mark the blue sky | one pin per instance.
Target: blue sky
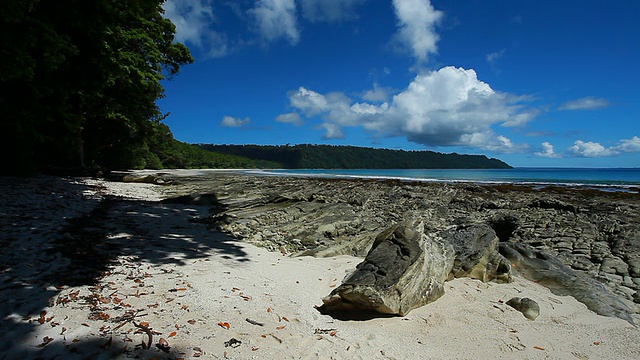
(531, 82)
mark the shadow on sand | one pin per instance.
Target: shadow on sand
(54, 234)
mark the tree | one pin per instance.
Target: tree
(84, 77)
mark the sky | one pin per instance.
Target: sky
(541, 83)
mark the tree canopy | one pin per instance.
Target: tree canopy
(80, 81)
(307, 156)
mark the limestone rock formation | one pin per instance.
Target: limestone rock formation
(408, 265)
(476, 254)
(404, 269)
(546, 269)
(593, 233)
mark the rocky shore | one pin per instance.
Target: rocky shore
(165, 265)
(594, 233)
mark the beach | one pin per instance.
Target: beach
(93, 268)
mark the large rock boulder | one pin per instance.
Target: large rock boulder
(407, 267)
(404, 269)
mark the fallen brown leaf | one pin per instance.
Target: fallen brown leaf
(191, 321)
(45, 341)
(224, 324)
(173, 333)
(281, 327)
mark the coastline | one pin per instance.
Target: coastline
(179, 276)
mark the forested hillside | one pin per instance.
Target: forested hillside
(352, 157)
(79, 82)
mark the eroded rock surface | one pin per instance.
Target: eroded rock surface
(408, 265)
(594, 233)
(405, 269)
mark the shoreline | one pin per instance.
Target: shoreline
(181, 277)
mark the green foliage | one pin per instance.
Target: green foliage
(352, 157)
(174, 154)
(83, 78)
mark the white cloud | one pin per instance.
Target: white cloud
(230, 121)
(329, 10)
(377, 94)
(448, 107)
(332, 131)
(416, 21)
(547, 151)
(628, 145)
(277, 19)
(586, 103)
(489, 141)
(192, 19)
(291, 118)
(491, 58)
(589, 149)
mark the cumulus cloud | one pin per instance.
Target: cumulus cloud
(276, 19)
(377, 94)
(193, 19)
(329, 10)
(448, 107)
(589, 149)
(332, 131)
(593, 149)
(628, 145)
(547, 151)
(230, 121)
(291, 118)
(417, 20)
(586, 103)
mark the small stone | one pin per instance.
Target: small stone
(528, 307)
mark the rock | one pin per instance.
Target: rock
(529, 308)
(476, 254)
(546, 269)
(614, 265)
(328, 217)
(404, 269)
(407, 267)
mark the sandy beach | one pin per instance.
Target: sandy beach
(103, 270)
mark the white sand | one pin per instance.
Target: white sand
(190, 279)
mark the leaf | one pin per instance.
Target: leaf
(42, 319)
(333, 333)
(285, 319)
(225, 325)
(191, 321)
(281, 327)
(538, 347)
(45, 342)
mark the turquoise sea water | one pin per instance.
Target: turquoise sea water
(617, 177)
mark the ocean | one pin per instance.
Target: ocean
(605, 177)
